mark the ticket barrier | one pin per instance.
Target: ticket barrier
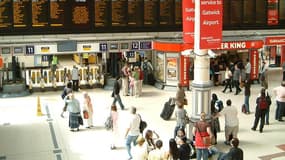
(44, 78)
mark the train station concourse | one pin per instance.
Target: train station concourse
(31, 127)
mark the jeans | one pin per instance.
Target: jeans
(202, 153)
(118, 98)
(130, 139)
(228, 85)
(246, 102)
(279, 110)
(267, 116)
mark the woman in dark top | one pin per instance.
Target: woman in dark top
(246, 95)
(215, 123)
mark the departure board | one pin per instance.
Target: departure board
(135, 13)
(57, 13)
(80, 14)
(119, 13)
(5, 14)
(166, 12)
(21, 10)
(150, 12)
(101, 13)
(40, 13)
(178, 12)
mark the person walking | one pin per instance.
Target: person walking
(67, 90)
(88, 107)
(73, 107)
(125, 79)
(247, 86)
(173, 152)
(235, 153)
(180, 96)
(139, 151)
(215, 122)
(261, 107)
(75, 78)
(263, 75)
(116, 93)
(280, 100)
(158, 152)
(202, 130)
(231, 121)
(237, 79)
(115, 128)
(228, 77)
(132, 131)
(181, 115)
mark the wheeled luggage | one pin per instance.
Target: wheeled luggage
(168, 109)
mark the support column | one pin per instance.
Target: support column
(201, 86)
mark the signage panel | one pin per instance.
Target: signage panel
(241, 45)
(278, 40)
(135, 45)
(254, 59)
(146, 45)
(188, 16)
(211, 23)
(88, 47)
(30, 50)
(46, 49)
(103, 47)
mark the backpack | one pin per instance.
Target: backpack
(219, 105)
(145, 66)
(262, 103)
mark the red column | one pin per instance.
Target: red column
(254, 59)
(184, 70)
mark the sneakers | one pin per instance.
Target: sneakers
(253, 129)
(113, 147)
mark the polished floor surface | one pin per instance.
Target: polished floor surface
(26, 136)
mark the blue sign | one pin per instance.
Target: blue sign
(30, 50)
(103, 47)
(135, 45)
(145, 45)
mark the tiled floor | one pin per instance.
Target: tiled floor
(26, 136)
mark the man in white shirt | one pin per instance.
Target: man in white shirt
(133, 130)
(280, 98)
(231, 121)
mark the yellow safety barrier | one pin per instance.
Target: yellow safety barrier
(39, 108)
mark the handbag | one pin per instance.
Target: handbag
(80, 120)
(85, 114)
(109, 123)
(143, 125)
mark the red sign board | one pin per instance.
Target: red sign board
(188, 15)
(211, 23)
(184, 70)
(279, 40)
(254, 59)
(241, 45)
(272, 12)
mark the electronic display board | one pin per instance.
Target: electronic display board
(119, 13)
(40, 13)
(151, 12)
(101, 13)
(57, 13)
(5, 15)
(135, 13)
(21, 15)
(80, 14)
(178, 12)
(166, 12)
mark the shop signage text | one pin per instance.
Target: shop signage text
(275, 40)
(242, 45)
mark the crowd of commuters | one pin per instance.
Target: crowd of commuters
(147, 145)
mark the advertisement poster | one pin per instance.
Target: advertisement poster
(172, 73)
(254, 59)
(211, 23)
(188, 16)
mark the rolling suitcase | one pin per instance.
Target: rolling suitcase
(168, 109)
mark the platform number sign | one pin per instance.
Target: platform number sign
(30, 50)
(103, 47)
(135, 45)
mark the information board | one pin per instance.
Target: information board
(57, 13)
(5, 14)
(119, 12)
(80, 15)
(135, 13)
(166, 13)
(21, 10)
(40, 13)
(150, 12)
(101, 13)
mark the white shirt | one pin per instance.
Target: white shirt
(139, 152)
(156, 154)
(230, 113)
(280, 93)
(134, 125)
(248, 68)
